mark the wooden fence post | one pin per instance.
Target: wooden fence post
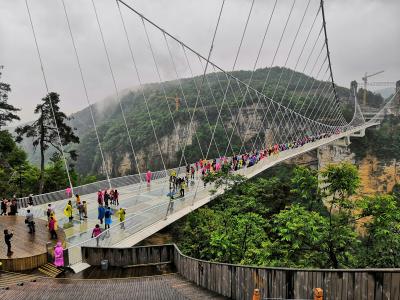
(318, 294)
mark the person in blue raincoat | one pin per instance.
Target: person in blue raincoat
(108, 213)
(101, 213)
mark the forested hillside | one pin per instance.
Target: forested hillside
(114, 138)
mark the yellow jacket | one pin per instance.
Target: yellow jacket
(68, 211)
(121, 215)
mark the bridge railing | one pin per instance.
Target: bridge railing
(90, 188)
(239, 281)
(134, 224)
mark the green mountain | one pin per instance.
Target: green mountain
(173, 134)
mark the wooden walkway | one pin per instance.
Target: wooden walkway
(162, 287)
(29, 249)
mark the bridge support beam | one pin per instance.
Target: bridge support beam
(360, 133)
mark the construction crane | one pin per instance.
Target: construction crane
(177, 102)
(365, 79)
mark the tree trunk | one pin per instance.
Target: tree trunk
(41, 177)
(41, 143)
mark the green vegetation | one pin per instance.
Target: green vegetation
(19, 177)
(270, 221)
(373, 100)
(382, 142)
(7, 111)
(50, 129)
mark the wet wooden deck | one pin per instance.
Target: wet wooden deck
(162, 287)
(29, 249)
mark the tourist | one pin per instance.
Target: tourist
(192, 170)
(80, 211)
(116, 197)
(59, 255)
(68, 211)
(7, 240)
(107, 218)
(14, 207)
(96, 233)
(52, 228)
(183, 187)
(100, 197)
(78, 200)
(172, 178)
(121, 217)
(49, 211)
(8, 208)
(68, 192)
(101, 213)
(148, 177)
(29, 221)
(85, 209)
(4, 207)
(106, 197)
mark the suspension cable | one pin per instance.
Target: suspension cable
(164, 92)
(116, 89)
(86, 92)
(327, 50)
(48, 93)
(233, 68)
(297, 63)
(287, 59)
(273, 61)
(194, 51)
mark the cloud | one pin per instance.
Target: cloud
(364, 36)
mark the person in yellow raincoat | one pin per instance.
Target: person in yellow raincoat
(121, 217)
(68, 211)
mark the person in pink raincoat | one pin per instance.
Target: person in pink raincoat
(59, 255)
(68, 192)
(148, 177)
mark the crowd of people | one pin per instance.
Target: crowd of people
(9, 207)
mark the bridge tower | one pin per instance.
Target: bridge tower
(353, 86)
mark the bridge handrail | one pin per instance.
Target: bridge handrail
(93, 187)
(113, 235)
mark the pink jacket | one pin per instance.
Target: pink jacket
(52, 224)
(96, 232)
(148, 176)
(59, 255)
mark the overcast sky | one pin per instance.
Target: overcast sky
(364, 36)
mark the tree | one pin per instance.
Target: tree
(237, 238)
(7, 111)
(305, 187)
(381, 243)
(44, 132)
(297, 238)
(13, 165)
(340, 182)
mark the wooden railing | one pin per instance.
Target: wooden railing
(239, 282)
